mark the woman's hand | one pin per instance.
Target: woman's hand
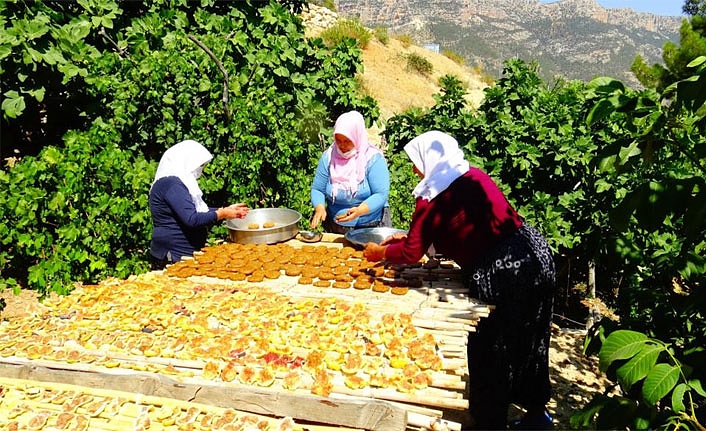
(240, 209)
(374, 252)
(395, 237)
(353, 213)
(232, 211)
(318, 217)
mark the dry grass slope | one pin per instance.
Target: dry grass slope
(387, 78)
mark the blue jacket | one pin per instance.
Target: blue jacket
(373, 190)
(177, 227)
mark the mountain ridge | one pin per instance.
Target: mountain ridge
(573, 39)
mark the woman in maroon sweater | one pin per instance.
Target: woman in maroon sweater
(461, 211)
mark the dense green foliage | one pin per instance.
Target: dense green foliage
(95, 91)
(45, 53)
(238, 77)
(613, 177)
(694, 7)
(661, 145)
(676, 58)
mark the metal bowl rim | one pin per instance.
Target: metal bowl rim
(387, 231)
(230, 226)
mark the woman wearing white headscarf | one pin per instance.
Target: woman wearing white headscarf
(180, 217)
(352, 183)
(462, 212)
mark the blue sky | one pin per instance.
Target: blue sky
(658, 7)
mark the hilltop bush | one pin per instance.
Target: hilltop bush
(405, 39)
(381, 35)
(419, 64)
(347, 28)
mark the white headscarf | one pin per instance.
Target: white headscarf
(185, 160)
(438, 156)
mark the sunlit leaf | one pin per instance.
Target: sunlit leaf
(13, 105)
(659, 382)
(639, 365)
(678, 397)
(621, 344)
(697, 386)
(697, 61)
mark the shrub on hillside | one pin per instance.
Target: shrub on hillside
(405, 39)
(453, 56)
(419, 64)
(347, 28)
(380, 34)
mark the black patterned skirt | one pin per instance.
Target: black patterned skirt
(508, 355)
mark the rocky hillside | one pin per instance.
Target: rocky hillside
(386, 77)
(576, 39)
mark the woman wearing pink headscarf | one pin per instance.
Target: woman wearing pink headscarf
(352, 183)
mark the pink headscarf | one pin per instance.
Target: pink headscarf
(347, 174)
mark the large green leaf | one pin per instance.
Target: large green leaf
(601, 110)
(621, 344)
(659, 382)
(698, 61)
(678, 397)
(605, 85)
(13, 104)
(698, 387)
(630, 151)
(639, 365)
(692, 92)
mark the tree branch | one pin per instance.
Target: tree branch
(222, 69)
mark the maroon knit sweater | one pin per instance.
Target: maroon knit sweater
(464, 222)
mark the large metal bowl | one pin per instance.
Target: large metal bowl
(285, 228)
(360, 237)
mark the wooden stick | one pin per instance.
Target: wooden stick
(436, 424)
(435, 324)
(420, 409)
(451, 403)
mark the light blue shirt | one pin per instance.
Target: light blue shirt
(373, 190)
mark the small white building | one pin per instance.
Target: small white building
(432, 47)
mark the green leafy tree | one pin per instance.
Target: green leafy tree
(692, 44)
(45, 51)
(663, 214)
(694, 7)
(237, 76)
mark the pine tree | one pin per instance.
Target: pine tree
(692, 44)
